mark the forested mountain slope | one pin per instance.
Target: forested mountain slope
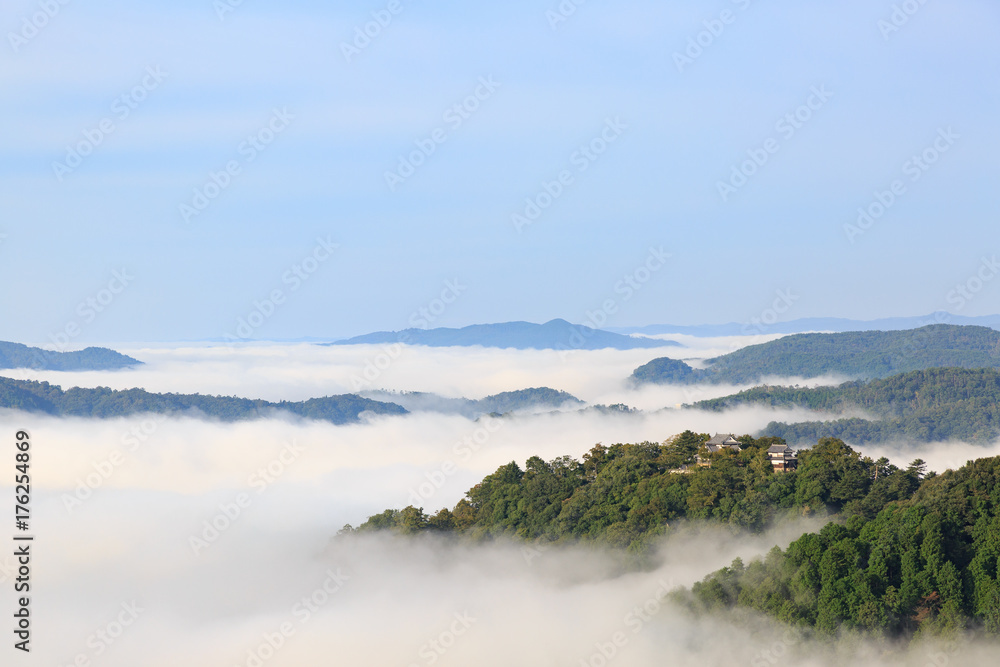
(536, 398)
(905, 552)
(857, 354)
(16, 355)
(931, 405)
(103, 402)
(924, 564)
(552, 335)
(625, 494)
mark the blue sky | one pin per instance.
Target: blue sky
(345, 122)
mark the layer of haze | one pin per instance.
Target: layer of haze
(301, 371)
(130, 540)
(118, 528)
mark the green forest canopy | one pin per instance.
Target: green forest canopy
(16, 355)
(932, 405)
(625, 494)
(924, 564)
(855, 354)
(103, 402)
(906, 552)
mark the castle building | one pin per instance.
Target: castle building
(782, 458)
(717, 443)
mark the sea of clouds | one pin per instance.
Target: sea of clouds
(185, 541)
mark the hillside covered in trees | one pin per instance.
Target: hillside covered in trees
(905, 551)
(924, 564)
(625, 494)
(16, 355)
(856, 354)
(931, 405)
(553, 335)
(103, 402)
(536, 398)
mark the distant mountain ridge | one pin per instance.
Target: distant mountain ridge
(102, 402)
(553, 335)
(508, 401)
(933, 405)
(811, 324)
(16, 355)
(859, 354)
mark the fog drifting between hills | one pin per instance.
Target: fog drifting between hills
(112, 531)
(300, 371)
